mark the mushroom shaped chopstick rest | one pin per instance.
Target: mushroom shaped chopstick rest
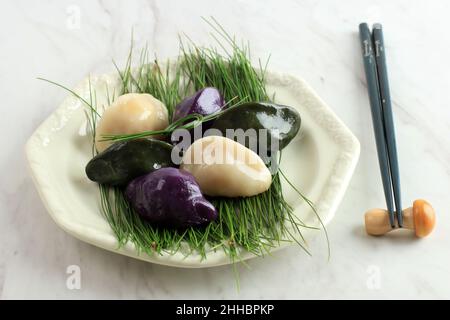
(420, 217)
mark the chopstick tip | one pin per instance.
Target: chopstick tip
(377, 26)
(363, 25)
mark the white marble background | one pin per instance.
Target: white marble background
(315, 40)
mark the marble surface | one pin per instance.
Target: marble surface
(66, 40)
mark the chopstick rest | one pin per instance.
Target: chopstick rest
(420, 217)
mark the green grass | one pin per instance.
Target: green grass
(254, 224)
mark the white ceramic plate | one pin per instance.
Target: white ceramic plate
(320, 161)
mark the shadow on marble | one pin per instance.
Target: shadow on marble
(402, 236)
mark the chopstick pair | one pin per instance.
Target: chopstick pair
(374, 58)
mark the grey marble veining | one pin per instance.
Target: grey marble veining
(318, 41)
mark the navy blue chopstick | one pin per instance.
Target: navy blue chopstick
(376, 107)
(380, 58)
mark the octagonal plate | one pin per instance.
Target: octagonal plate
(320, 161)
